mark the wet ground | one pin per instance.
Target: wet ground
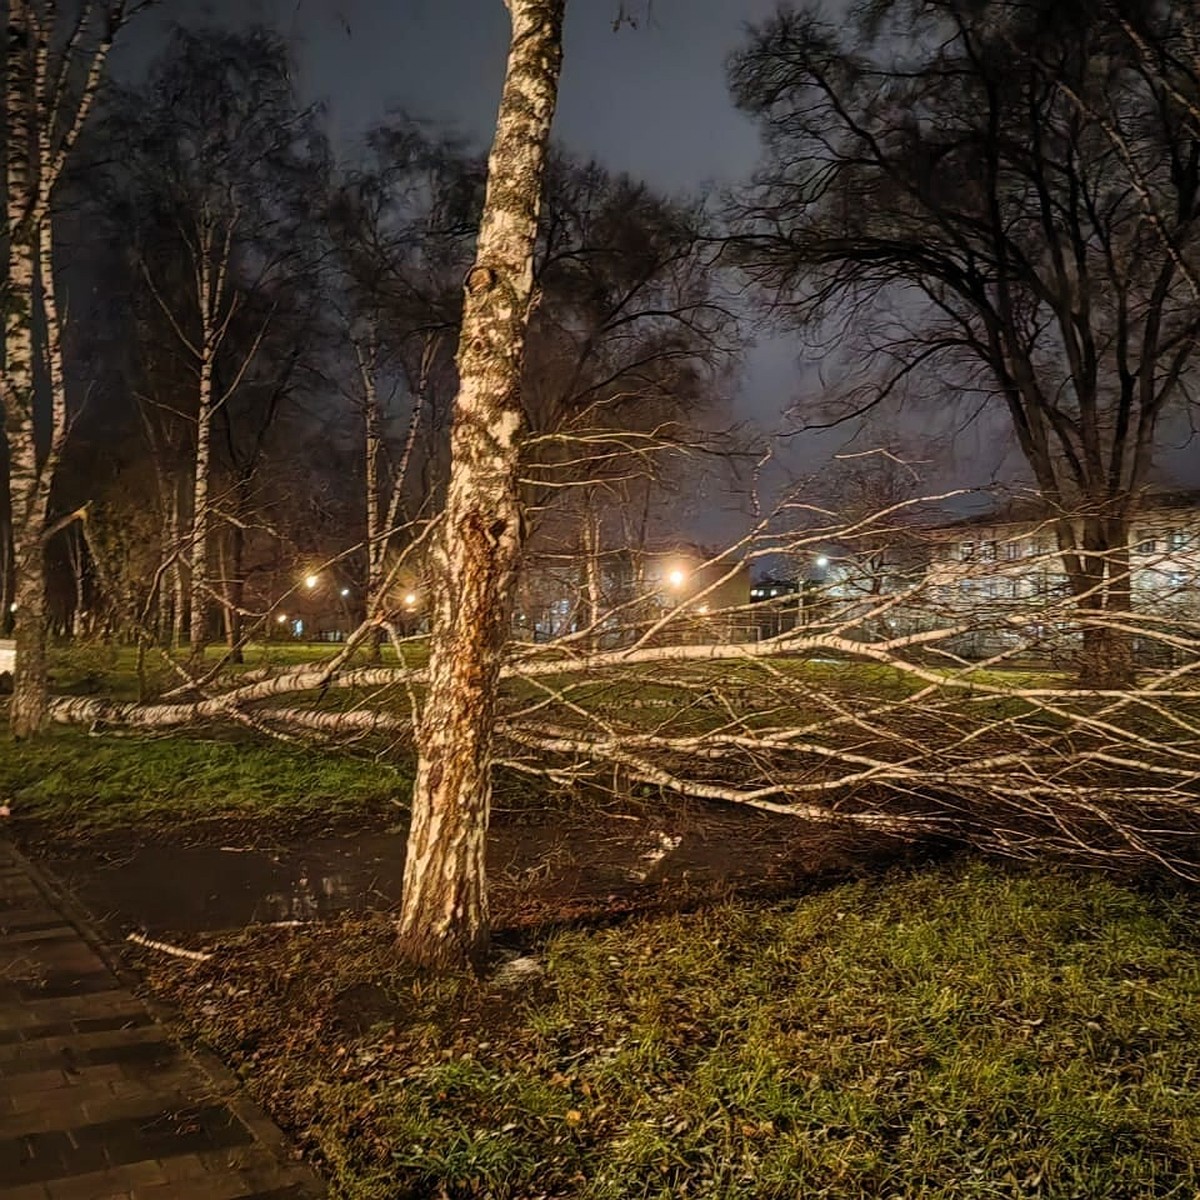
(560, 864)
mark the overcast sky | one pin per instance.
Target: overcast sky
(651, 101)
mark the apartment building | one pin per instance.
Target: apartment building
(1012, 557)
(998, 565)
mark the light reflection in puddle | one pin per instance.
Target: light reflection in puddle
(164, 889)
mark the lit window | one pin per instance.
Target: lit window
(988, 552)
(1147, 545)
(967, 551)
(1176, 540)
(1012, 550)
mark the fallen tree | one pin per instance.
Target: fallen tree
(866, 713)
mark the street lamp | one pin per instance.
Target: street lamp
(676, 578)
(410, 600)
(822, 562)
(281, 619)
(344, 593)
(311, 581)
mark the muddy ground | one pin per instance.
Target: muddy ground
(546, 868)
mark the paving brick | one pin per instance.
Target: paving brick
(147, 1052)
(228, 1187)
(32, 1191)
(35, 1112)
(42, 1010)
(41, 1081)
(36, 937)
(76, 1036)
(292, 1191)
(83, 1025)
(250, 1159)
(69, 1107)
(99, 1101)
(56, 984)
(95, 1185)
(29, 917)
(182, 1167)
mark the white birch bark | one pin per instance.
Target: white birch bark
(198, 545)
(443, 920)
(28, 705)
(593, 582)
(45, 107)
(373, 450)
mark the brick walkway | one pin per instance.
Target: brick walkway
(96, 1100)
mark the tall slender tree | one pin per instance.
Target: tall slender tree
(219, 165)
(443, 918)
(54, 66)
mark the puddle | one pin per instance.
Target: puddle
(195, 889)
(162, 889)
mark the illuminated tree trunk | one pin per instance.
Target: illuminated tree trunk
(28, 706)
(374, 447)
(45, 107)
(593, 582)
(178, 626)
(1099, 574)
(443, 920)
(201, 518)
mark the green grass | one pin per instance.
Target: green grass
(967, 1032)
(97, 668)
(80, 784)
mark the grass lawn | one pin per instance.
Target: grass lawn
(79, 784)
(965, 1031)
(95, 668)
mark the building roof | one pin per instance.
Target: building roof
(1025, 510)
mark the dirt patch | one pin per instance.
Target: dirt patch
(546, 869)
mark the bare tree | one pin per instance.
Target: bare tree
(625, 362)
(54, 65)
(933, 165)
(215, 181)
(403, 231)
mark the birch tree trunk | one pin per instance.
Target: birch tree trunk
(443, 919)
(46, 104)
(376, 546)
(178, 622)
(28, 706)
(198, 553)
(593, 578)
(198, 545)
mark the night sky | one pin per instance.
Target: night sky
(651, 101)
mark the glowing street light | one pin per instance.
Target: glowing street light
(822, 562)
(344, 593)
(676, 578)
(281, 619)
(311, 581)
(410, 600)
